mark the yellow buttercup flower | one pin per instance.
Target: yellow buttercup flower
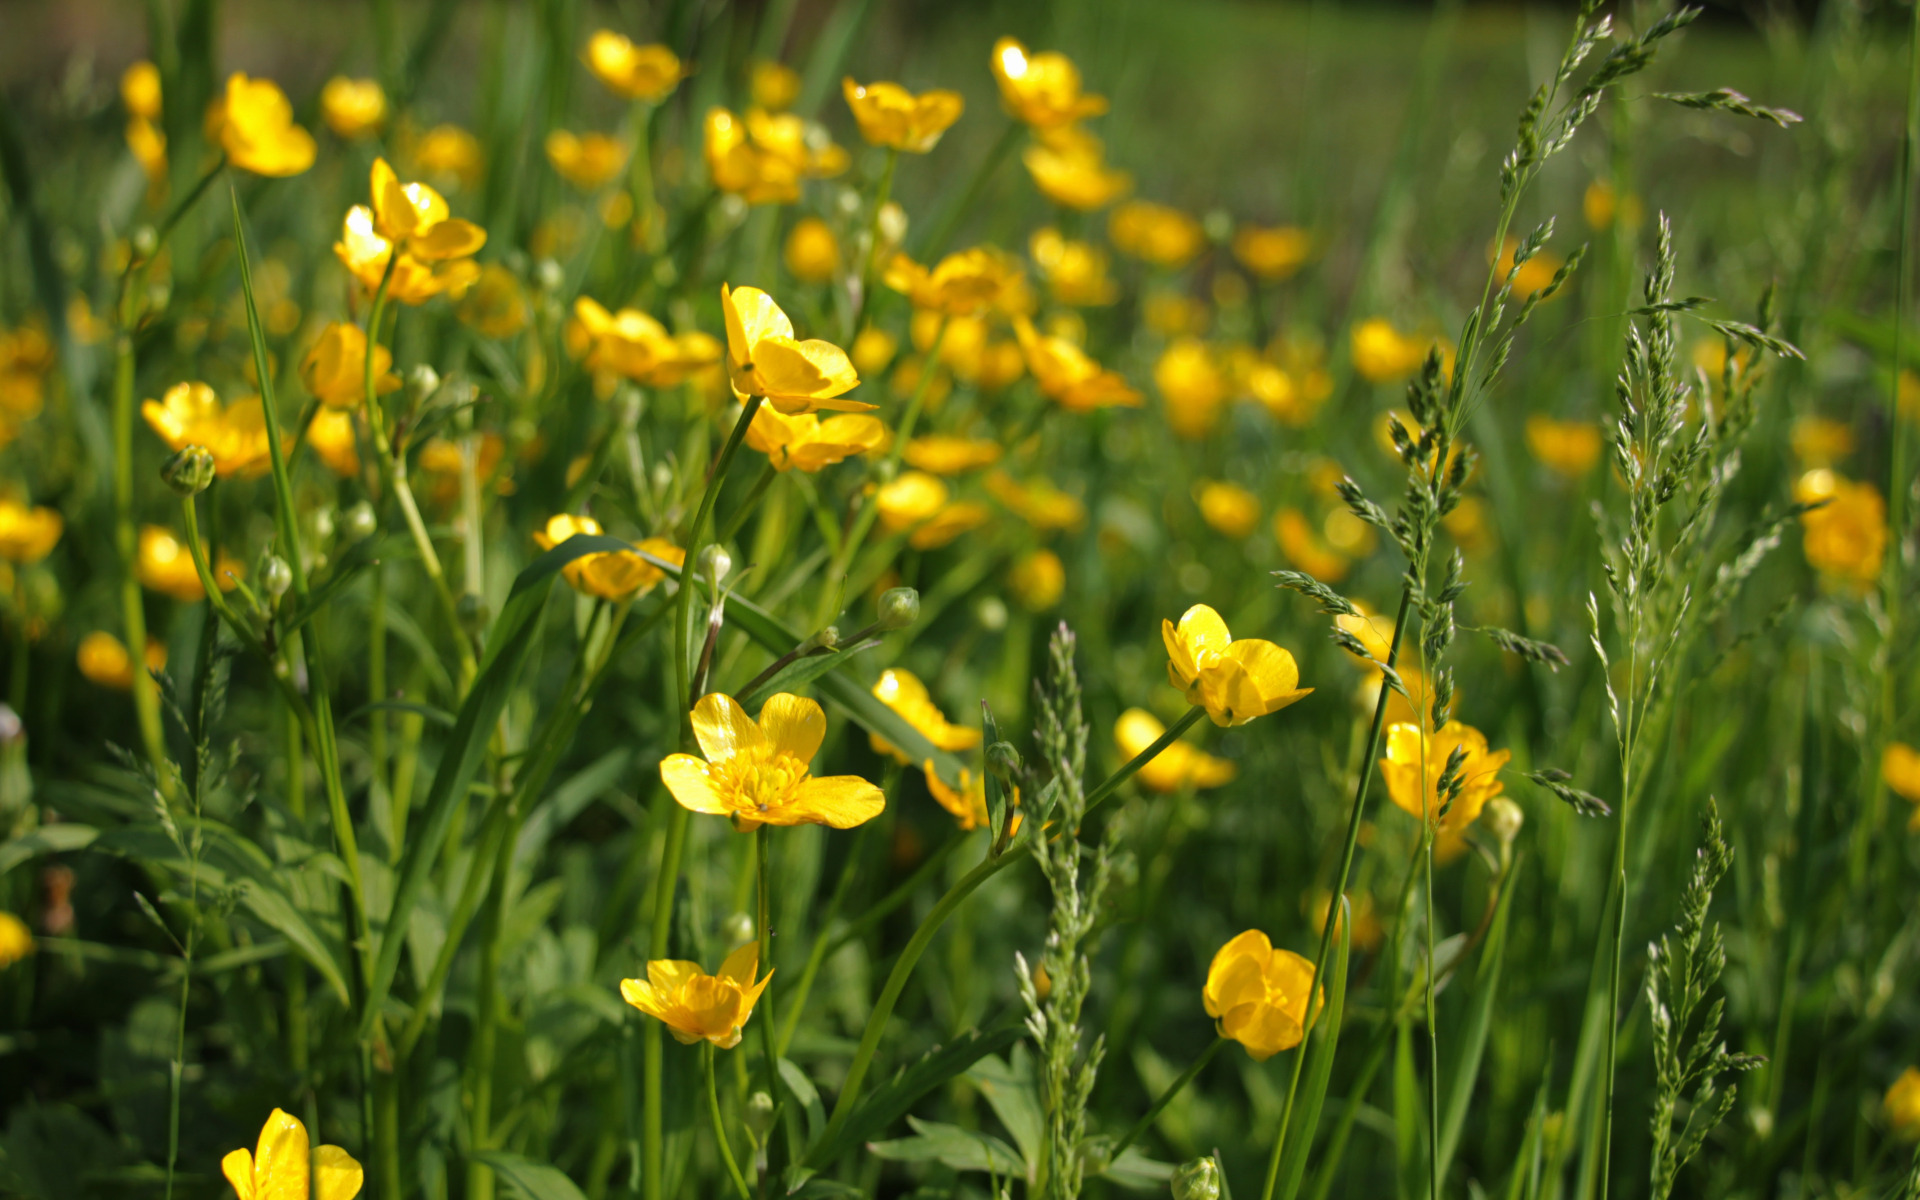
(616, 575)
(765, 359)
(496, 305)
(1042, 90)
(638, 72)
(353, 108)
(331, 434)
(1382, 354)
(1821, 441)
(1846, 539)
(281, 1167)
(253, 123)
(1534, 274)
(805, 441)
(103, 659)
(903, 692)
(140, 90)
(1376, 634)
(910, 499)
(1258, 995)
(1367, 930)
(1237, 681)
(1302, 547)
(1901, 1105)
(1601, 204)
(149, 147)
(190, 414)
(633, 344)
(1037, 580)
(165, 565)
(16, 940)
(1180, 765)
(1165, 237)
(412, 219)
(696, 1006)
(873, 349)
(773, 86)
(1272, 252)
(1193, 386)
(451, 152)
(948, 524)
(763, 157)
(1075, 271)
(950, 454)
(968, 802)
(1038, 502)
(1412, 768)
(1569, 448)
(960, 284)
(812, 252)
(1900, 770)
(335, 370)
(586, 160)
(1069, 166)
(889, 115)
(1229, 508)
(28, 534)
(1068, 375)
(757, 774)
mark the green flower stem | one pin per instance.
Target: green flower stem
(146, 693)
(818, 955)
(1340, 884)
(879, 912)
(1104, 792)
(989, 166)
(767, 475)
(1174, 1089)
(642, 176)
(719, 1127)
(690, 577)
(870, 259)
(763, 925)
(653, 1113)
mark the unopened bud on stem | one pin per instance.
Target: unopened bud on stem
(189, 471)
(899, 608)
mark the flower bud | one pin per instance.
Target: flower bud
(11, 728)
(1197, 1180)
(737, 930)
(189, 471)
(1003, 760)
(899, 608)
(1504, 818)
(759, 1114)
(146, 243)
(359, 522)
(276, 576)
(893, 224)
(549, 275)
(715, 562)
(826, 639)
(423, 380)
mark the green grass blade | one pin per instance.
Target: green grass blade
(1320, 1048)
(1473, 1043)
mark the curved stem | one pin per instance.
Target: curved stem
(763, 918)
(689, 580)
(146, 694)
(719, 1127)
(871, 258)
(1167, 1097)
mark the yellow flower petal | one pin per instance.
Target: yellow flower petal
(723, 728)
(691, 783)
(841, 801)
(794, 725)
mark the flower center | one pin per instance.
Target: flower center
(762, 778)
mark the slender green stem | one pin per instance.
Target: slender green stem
(146, 693)
(651, 233)
(1131, 767)
(1167, 1097)
(818, 955)
(763, 926)
(719, 1127)
(689, 582)
(870, 259)
(950, 223)
(1433, 1014)
(879, 912)
(653, 1112)
(767, 475)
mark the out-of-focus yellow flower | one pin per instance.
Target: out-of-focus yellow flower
(1821, 441)
(1068, 376)
(764, 156)
(103, 659)
(353, 108)
(1038, 580)
(586, 160)
(1415, 761)
(903, 692)
(1237, 681)
(1042, 90)
(1075, 271)
(254, 124)
(140, 90)
(443, 462)
(960, 284)
(1376, 634)
(149, 147)
(496, 305)
(1192, 385)
(617, 575)
(947, 523)
(16, 940)
(335, 370)
(1229, 508)
(1569, 448)
(331, 434)
(1382, 354)
(1468, 525)
(165, 565)
(1037, 502)
(190, 414)
(773, 86)
(1258, 995)
(873, 349)
(1901, 1105)
(632, 344)
(412, 219)
(1069, 166)
(448, 150)
(812, 252)
(890, 115)
(908, 499)
(809, 443)
(281, 1167)
(1367, 930)
(637, 72)
(1303, 548)
(1173, 314)
(1847, 537)
(1272, 252)
(1535, 274)
(1900, 770)
(1601, 204)
(696, 1006)
(1155, 233)
(28, 534)
(1180, 765)
(1907, 395)
(949, 454)
(968, 802)
(757, 774)
(764, 358)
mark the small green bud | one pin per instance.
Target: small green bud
(1003, 760)
(145, 243)
(549, 275)
(759, 1114)
(715, 562)
(423, 380)
(899, 608)
(276, 576)
(737, 930)
(189, 471)
(826, 639)
(1197, 1180)
(1504, 818)
(359, 522)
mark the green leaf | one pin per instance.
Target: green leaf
(802, 671)
(535, 1181)
(1135, 1170)
(509, 643)
(48, 839)
(1322, 1045)
(362, 554)
(808, 1096)
(961, 1149)
(1473, 1043)
(887, 1104)
(1008, 1088)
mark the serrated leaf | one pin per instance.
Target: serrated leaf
(1009, 1089)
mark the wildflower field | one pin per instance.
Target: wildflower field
(832, 598)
